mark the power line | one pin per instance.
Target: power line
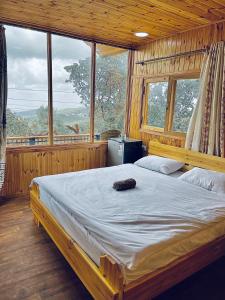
(14, 105)
(28, 100)
(41, 101)
(36, 90)
(19, 105)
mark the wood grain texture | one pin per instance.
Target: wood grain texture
(25, 163)
(186, 41)
(50, 90)
(153, 284)
(106, 281)
(113, 21)
(192, 158)
(32, 268)
(84, 267)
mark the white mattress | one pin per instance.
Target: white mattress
(143, 229)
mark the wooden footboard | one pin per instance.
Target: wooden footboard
(106, 282)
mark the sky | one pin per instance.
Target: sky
(27, 69)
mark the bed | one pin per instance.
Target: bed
(122, 248)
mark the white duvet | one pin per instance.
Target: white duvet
(142, 229)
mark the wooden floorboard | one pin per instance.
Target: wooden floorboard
(31, 267)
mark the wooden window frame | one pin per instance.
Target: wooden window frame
(171, 99)
(145, 104)
(50, 92)
(50, 138)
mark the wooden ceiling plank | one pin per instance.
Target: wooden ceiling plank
(116, 42)
(212, 11)
(181, 12)
(178, 13)
(84, 19)
(167, 25)
(143, 11)
(220, 2)
(99, 27)
(187, 8)
(102, 28)
(113, 21)
(111, 14)
(120, 26)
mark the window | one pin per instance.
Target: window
(110, 95)
(185, 101)
(169, 103)
(27, 108)
(71, 65)
(157, 102)
(50, 82)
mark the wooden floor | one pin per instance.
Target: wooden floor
(31, 267)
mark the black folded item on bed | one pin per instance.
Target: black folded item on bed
(126, 184)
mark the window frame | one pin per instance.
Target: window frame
(146, 96)
(50, 92)
(171, 100)
(93, 45)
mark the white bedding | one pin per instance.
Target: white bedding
(142, 229)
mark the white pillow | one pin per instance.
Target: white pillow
(159, 164)
(210, 180)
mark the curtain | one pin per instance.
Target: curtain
(206, 132)
(3, 103)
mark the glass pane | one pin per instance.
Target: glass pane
(71, 65)
(157, 102)
(110, 99)
(27, 109)
(185, 101)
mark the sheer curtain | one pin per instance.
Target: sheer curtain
(3, 103)
(206, 130)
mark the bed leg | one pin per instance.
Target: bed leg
(112, 272)
(36, 221)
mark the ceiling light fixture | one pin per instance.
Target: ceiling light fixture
(141, 34)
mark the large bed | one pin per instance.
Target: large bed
(137, 242)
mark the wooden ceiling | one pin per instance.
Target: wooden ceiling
(113, 21)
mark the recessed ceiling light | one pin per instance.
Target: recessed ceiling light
(141, 34)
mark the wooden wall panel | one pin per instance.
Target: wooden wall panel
(186, 41)
(23, 164)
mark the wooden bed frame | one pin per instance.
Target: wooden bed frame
(106, 281)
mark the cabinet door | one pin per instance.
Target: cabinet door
(132, 152)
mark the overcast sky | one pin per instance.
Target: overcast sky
(27, 68)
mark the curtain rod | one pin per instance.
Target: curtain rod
(142, 62)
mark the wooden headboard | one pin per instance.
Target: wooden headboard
(189, 157)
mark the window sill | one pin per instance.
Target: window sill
(152, 128)
(41, 148)
(169, 134)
